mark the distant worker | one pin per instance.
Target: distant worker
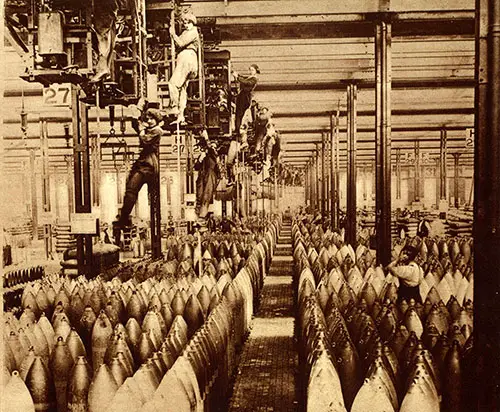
(424, 228)
(245, 96)
(186, 67)
(105, 16)
(226, 225)
(117, 231)
(409, 273)
(146, 167)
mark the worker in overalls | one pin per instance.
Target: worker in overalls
(186, 67)
(245, 96)
(147, 166)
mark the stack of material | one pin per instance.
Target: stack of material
(103, 257)
(64, 238)
(459, 223)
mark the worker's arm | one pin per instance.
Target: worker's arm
(409, 273)
(247, 81)
(150, 136)
(185, 39)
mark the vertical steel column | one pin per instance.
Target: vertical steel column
(442, 164)
(317, 178)
(82, 177)
(249, 190)
(456, 177)
(178, 144)
(383, 140)
(34, 199)
(323, 175)
(333, 208)
(69, 183)
(335, 165)
(328, 183)
(190, 189)
(311, 185)
(276, 191)
(398, 173)
(417, 172)
(352, 90)
(485, 374)
(306, 183)
(44, 144)
(374, 180)
(364, 175)
(237, 203)
(155, 214)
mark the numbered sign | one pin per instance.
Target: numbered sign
(57, 95)
(469, 138)
(175, 148)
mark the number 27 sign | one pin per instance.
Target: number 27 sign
(57, 94)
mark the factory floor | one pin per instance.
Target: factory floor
(268, 372)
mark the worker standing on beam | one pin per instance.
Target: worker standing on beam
(186, 65)
(245, 96)
(105, 16)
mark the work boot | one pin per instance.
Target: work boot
(102, 70)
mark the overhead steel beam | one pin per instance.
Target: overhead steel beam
(252, 20)
(412, 83)
(371, 113)
(416, 83)
(395, 129)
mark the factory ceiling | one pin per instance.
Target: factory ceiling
(307, 52)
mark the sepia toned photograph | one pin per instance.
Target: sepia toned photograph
(250, 206)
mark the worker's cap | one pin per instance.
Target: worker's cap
(256, 68)
(411, 251)
(189, 17)
(155, 114)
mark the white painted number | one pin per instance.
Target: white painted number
(57, 95)
(469, 138)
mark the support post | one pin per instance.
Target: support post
(417, 172)
(276, 192)
(155, 214)
(456, 178)
(44, 144)
(323, 175)
(352, 90)
(485, 365)
(383, 70)
(309, 180)
(178, 142)
(333, 209)
(34, 200)
(317, 182)
(69, 182)
(398, 173)
(443, 205)
(81, 161)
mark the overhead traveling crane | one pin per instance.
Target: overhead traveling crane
(60, 44)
